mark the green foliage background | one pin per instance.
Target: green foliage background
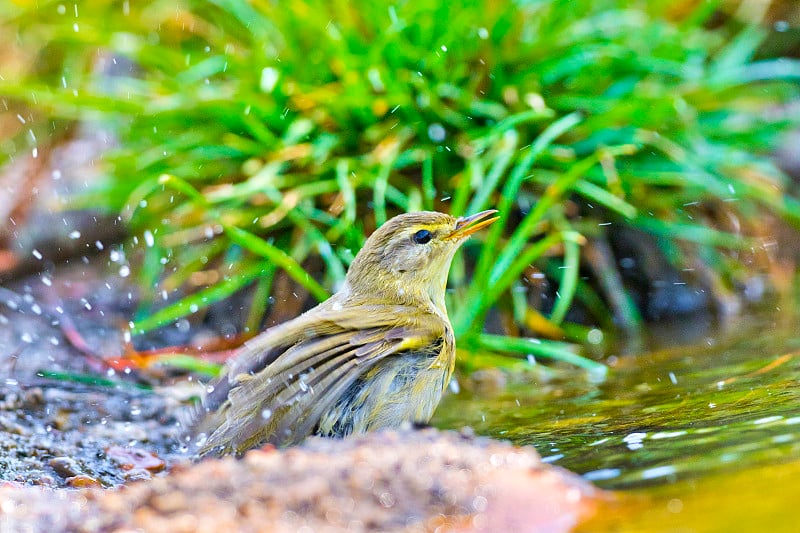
(256, 135)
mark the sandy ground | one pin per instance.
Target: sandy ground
(423, 480)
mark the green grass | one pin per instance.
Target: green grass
(257, 136)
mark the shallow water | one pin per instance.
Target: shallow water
(703, 437)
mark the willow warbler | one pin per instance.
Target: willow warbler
(376, 354)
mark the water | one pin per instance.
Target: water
(702, 437)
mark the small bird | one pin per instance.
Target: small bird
(377, 354)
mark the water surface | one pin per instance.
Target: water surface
(701, 437)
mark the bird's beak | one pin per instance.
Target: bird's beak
(466, 226)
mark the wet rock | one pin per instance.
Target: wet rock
(136, 458)
(65, 466)
(83, 482)
(123, 431)
(136, 474)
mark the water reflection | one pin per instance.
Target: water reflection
(728, 402)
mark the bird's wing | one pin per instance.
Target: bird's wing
(284, 380)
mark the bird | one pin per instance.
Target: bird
(378, 353)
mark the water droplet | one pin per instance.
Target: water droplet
(387, 499)
(781, 26)
(634, 440)
(266, 414)
(436, 132)
(603, 473)
(659, 471)
(595, 336)
(269, 78)
(124, 271)
(768, 419)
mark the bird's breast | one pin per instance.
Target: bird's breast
(404, 388)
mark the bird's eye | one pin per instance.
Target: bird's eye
(423, 236)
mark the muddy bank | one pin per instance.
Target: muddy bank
(388, 481)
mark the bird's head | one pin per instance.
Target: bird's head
(408, 258)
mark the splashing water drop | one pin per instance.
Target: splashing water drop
(436, 132)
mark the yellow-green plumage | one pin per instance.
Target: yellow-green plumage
(376, 354)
